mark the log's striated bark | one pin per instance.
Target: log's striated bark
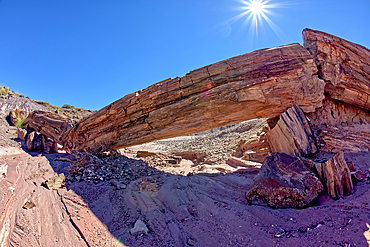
(261, 84)
(340, 126)
(336, 176)
(292, 134)
(49, 124)
(345, 67)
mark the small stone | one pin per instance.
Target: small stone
(139, 227)
(28, 205)
(358, 176)
(191, 242)
(55, 182)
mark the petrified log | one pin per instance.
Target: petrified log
(284, 182)
(261, 84)
(49, 146)
(34, 141)
(345, 67)
(49, 124)
(336, 176)
(340, 126)
(292, 134)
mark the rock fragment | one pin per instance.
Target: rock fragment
(139, 227)
(54, 182)
(17, 115)
(34, 141)
(22, 134)
(292, 134)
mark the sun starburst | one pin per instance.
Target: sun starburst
(257, 12)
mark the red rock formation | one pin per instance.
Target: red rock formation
(261, 84)
(345, 67)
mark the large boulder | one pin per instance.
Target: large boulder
(284, 182)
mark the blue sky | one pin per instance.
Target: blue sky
(89, 53)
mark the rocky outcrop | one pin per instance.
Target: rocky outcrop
(49, 124)
(261, 84)
(345, 67)
(14, 102)
(336, 176)
(292, 134)
(284, 182)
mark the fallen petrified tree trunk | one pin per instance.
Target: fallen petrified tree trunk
(261, 84)
(345, 67)
(49, 124)
(336, 176)
(292, 134)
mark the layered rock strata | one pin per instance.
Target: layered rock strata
(336, 176)
(260, 84)
(292, 134)
(345, 67)
(49, 124)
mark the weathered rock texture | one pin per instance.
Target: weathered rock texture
(49, 124)
(22, 134)
(341, 127)
(343, 65)
(336, 176)
(34, 141)
(256, 149)
(17, 115)
(292, 134)
(261, 84)
(284, 182)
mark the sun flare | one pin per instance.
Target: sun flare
(257, 7)
(256, 13)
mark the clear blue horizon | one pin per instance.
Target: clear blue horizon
(90, 53)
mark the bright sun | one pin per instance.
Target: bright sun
(256, 13)
(257, 7)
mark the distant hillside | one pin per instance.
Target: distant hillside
(9, 100)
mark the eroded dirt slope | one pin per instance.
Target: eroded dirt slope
(102, 202)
